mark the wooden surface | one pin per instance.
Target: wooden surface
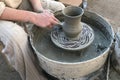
(71, 2)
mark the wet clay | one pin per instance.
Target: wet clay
(65, 64)
(85, 38)
(46, 47)
(102, 41)
(72, 34)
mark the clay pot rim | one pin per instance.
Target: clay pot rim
(82, 12)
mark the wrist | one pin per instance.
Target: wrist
(39, 10)
(37, 6)
(31, 17)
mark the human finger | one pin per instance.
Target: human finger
(54, 18)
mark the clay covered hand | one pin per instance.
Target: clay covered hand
(44, 19)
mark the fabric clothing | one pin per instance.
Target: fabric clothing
(9, 3)
(2, 7)
(47, 4)
(18, 51)
(52, 5)
(17, 48)
(12, 3)
(115, 58)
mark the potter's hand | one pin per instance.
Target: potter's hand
(44, 19)
(44, 10)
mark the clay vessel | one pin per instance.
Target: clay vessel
(72, 21)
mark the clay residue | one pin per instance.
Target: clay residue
(46, 47)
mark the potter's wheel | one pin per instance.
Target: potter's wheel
(64, 64)
(86, 37)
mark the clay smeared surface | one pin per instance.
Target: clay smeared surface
(45, 46)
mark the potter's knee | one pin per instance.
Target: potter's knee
(61, 6)
(5, 27)
(56, 6)
(5, 24)
(9, 29)
(52, 5)
(8, 26)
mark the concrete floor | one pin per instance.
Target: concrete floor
(107, 8)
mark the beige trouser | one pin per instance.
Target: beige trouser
(17, 49)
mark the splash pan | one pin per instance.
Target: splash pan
(65, 64)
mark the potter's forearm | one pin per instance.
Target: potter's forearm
(16, 15)
(36, 5)
(40, 19)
